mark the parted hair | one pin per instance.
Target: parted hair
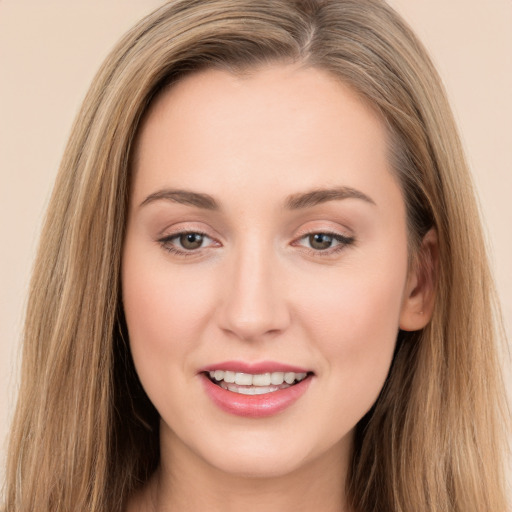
(85, 435)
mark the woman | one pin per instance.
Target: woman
(262, 197)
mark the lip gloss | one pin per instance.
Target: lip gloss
(254, 368)
(254, 406)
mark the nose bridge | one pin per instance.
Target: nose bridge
(254, 302)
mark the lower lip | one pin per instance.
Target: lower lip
(254, 406)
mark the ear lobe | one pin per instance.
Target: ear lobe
(419, 293)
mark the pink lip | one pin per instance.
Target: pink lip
(254, 368)
(254, 406)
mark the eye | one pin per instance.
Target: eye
(185, 242)
(320, 241)
(325, 242)
(191, 241)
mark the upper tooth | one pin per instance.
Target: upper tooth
(229, 377)
(261, 380)
(264, 379)
(277, 378)
(289, 377)
(243, 379)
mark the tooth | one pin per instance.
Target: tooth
(277, 378)
(289, 377)
(252, 390)
(261, 380)
(247, 391)
(229, 376)
(265, 389)
(243, 379)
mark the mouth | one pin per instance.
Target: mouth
(255, 384)
(255, 390)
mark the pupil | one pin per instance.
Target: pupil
(320, 241)
(191, 240)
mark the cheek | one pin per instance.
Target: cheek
(355, 326)
(161, 306)
(360, 306)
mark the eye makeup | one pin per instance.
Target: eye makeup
(190, 240)
(324, 243)
(319, 243)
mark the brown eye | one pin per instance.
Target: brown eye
(187, 243)
(325, 243)
(320, 241)
(191, 241)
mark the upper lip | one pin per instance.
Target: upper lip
(254, 368)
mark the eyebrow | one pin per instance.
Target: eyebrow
(293, 202)
(186, 197)
(323, 195)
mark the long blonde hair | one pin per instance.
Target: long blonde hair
(85, 435)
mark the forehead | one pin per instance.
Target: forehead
(281, 126)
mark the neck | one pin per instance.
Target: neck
(188, 483)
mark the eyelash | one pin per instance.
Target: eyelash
(343, 241)
(166, 240)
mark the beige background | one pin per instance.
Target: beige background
(50, 50)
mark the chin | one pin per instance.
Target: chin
(260, 466)
(263, 457)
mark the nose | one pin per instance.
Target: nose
(254, 304)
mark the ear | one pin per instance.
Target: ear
(419, 293)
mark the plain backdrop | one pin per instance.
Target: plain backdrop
(50, 50)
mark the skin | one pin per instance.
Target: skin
(257, 290)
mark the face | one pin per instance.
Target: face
(265, 267)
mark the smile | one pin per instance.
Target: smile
(255, 390)
(255, 384)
